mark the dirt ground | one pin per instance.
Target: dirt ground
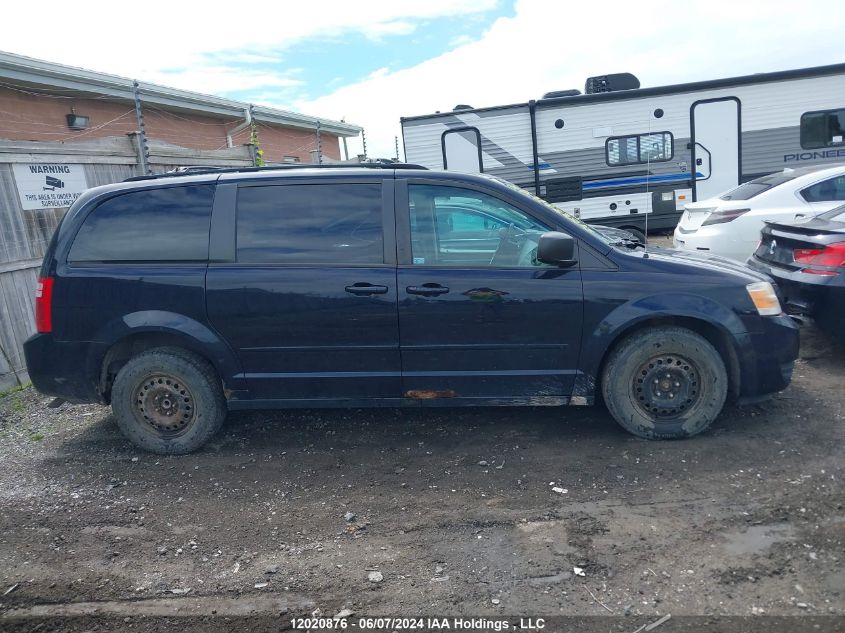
(482, 512)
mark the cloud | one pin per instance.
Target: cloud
(548, 46)
(378, 31)
(142, 41)
(540, 46)
(460, 41)
(201, 79)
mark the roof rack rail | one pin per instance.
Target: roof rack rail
(200, 169)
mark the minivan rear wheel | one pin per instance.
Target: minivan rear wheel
(168, 401)
(665, 383)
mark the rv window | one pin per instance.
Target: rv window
(823, 129)
(639, 148)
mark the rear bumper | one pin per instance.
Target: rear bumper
(768, 358)
(62, 369)
(713, 240)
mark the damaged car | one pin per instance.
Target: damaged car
(178, 298)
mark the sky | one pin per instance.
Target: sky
(372, 62)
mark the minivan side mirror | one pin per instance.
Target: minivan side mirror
(556, 248)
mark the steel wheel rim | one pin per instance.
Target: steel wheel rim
(666, 386)
(165, 403)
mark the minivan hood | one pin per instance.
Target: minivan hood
(706, 261)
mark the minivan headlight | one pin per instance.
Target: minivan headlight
(764, 297)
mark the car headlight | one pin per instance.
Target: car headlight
(764, 297)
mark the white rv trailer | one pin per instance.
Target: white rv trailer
(614, 156)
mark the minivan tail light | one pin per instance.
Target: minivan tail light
(832, 255)
(720, 217)
(44, 305)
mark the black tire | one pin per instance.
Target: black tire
(168, 401)
(665, 383)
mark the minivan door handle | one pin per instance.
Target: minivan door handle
(427, 290)
(363, 288)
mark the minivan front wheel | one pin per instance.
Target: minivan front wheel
(665, 383)
(168, 401)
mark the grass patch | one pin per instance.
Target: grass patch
(36, 437)
(9, 392)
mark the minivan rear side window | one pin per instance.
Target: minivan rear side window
(310, 224)
(150, 225)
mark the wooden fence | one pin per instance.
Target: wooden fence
(25, 234)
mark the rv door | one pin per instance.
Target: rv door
(462, 150)
(716, 159)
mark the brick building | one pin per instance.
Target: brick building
(36, 98)
(64, 129)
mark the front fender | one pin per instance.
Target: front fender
(627, 316)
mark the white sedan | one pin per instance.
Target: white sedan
(729, 225)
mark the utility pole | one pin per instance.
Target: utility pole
(364, 142)
(319, 146)
(345, 148)
(396, 143)
(143, 146)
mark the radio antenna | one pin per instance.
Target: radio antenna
(647, 194)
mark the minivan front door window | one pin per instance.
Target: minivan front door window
(453, 226)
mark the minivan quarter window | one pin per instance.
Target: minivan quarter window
(152, 225)
(310, 224)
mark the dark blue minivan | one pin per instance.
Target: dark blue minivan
(179, 297)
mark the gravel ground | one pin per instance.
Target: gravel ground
(484, 512)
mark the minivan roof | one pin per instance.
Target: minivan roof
(194, 170)
(302, 171)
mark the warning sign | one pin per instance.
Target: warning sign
(49, 185)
